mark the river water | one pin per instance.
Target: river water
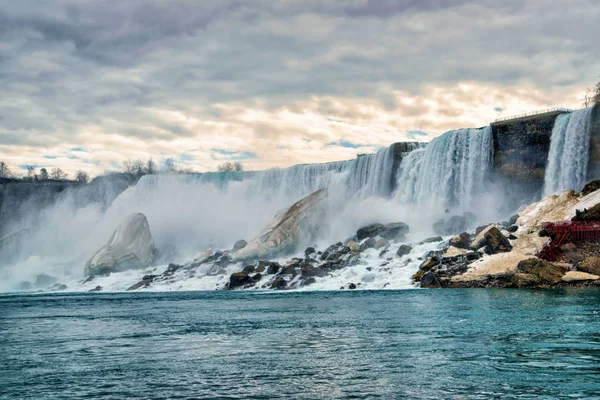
(422, 344)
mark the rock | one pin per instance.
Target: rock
(394, 230)
(130, 247)
(380, 243)
(285, 231)
(512, 228)
(96, 289)
(172, 268)
(576, 276)
(452, 225)
(590, 265)
(249, 269)
(279, 283)
(546, 271)
(404, 250)
(260, 268)
(418, 275)
(289, 270)
(368, 244)
(388, 232)
(590, 187)
(433, 239)
(58, 287)
(430, 281)
(43, 281)
(353, 246)
(429, 263)
(522, 280)
(309, 251)
(273, 268)
(513, 219)
(492, 237)
(240, 244)
(238, 279)
(593, 214)
(368, 231)
(144, 283)
(310, 271)
(352, 286)
(512, 237)
(256, 278)
(224, 261)
(308, 281)
(461, 241)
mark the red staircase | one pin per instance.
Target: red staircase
(561, 232)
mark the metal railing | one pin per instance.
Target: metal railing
(548, 111)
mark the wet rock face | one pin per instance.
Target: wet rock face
(430, 281)
(403, 250)
(130, 247)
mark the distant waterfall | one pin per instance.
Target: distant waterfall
(568, 156)
(449, 171)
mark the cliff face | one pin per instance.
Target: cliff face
(520, 154)
(21, 203)
(594, 160)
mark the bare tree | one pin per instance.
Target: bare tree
(169, 165)
(82, 176)
(58, 174)
(31, 172)
(150, 166)
(44, 174)
(5, 171)
(230, 167)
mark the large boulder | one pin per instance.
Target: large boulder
(130, 247)
(544, 270)
(591, 265)
(492, 238)
(592, 214)
(454, 224)
(287, 229)
(389, 231)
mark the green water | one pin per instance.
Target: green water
(423, 344)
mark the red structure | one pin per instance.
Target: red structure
(561, 232)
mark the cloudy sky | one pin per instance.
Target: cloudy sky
(90, 84)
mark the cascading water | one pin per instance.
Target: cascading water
(449, 171)
(568, 156)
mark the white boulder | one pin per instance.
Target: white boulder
(130, 247)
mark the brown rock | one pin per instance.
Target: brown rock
(544, 270)
(521, 280)
(590, 265)
(461, 241)
(417, 277)
(380, 243)
(429, 263)
(404, 250)
(238, 279)
(492, 237)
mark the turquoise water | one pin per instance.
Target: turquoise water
(424, 344)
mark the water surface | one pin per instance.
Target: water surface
(424, 344)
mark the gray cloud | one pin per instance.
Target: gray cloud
(151, 74)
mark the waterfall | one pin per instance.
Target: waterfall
(568, 155)
(448, 172)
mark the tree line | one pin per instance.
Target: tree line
(133, 169)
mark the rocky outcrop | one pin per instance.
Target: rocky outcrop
(492, 238)
(130, 247)
(287, 229)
